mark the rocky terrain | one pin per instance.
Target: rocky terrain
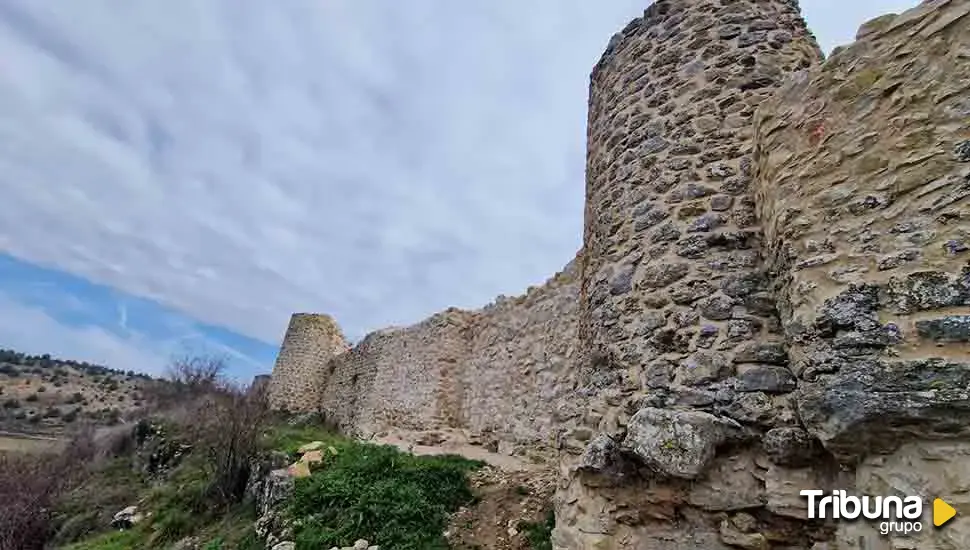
(45, 395)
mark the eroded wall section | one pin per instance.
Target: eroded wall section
(499, 374)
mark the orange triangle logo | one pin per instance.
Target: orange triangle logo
(942, 512)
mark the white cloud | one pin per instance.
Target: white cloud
(241, 159)
(32, 330)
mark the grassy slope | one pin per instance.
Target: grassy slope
(361, 490)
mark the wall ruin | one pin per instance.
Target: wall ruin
(501, 374)
(773, 294)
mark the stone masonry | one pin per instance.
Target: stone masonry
(773, 295)
(299, 375)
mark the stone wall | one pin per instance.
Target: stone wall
(863, 174)
(773, 294)
(839, 355)
(499, 373)
(685, 350)
(300, 372)
(863, 180)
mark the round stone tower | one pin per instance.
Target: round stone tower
(300, 373)
(671, 276)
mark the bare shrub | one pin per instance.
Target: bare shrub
(228, 429)
(198, 374)
(30, 486)
(185, 380)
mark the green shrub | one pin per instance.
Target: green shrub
(392, 499)
(115, 540)
(539, 534)
(70, 416)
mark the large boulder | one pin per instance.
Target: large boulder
(677, 443)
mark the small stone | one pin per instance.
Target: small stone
(687, 292)
(962, 151)
(895, 260)
(731, 536)
(949, 329)
(716, 308)
(790, 447)
(767, 378)
(752, 38)
(706, 222)
(285, 545)
(622, 282)
(954, 247)
(665, 274)
(771, 353)
(721, 203)
(312, 446)
(361, 544)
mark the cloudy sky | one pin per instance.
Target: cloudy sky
(182, 175)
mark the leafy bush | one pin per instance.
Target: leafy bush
(539, 534)
(115, 540)
(392, 499)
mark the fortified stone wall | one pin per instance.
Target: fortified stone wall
(685, 349)
(773, 294)
(859, 380)
(500, 373)
(863, 173)
(310, 342)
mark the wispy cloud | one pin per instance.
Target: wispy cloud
(238, 160)
(47, 311)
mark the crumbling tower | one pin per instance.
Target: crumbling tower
(300, 373)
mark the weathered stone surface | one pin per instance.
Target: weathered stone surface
(311, 341)
(852, 166)
(874, 405)
(677, 443)
(729, 484)
(766, 378)
(790, 446)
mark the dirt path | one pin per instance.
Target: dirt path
(447, 442)
(514, 495)
(22, 443)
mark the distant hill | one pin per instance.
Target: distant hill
(43, 394)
